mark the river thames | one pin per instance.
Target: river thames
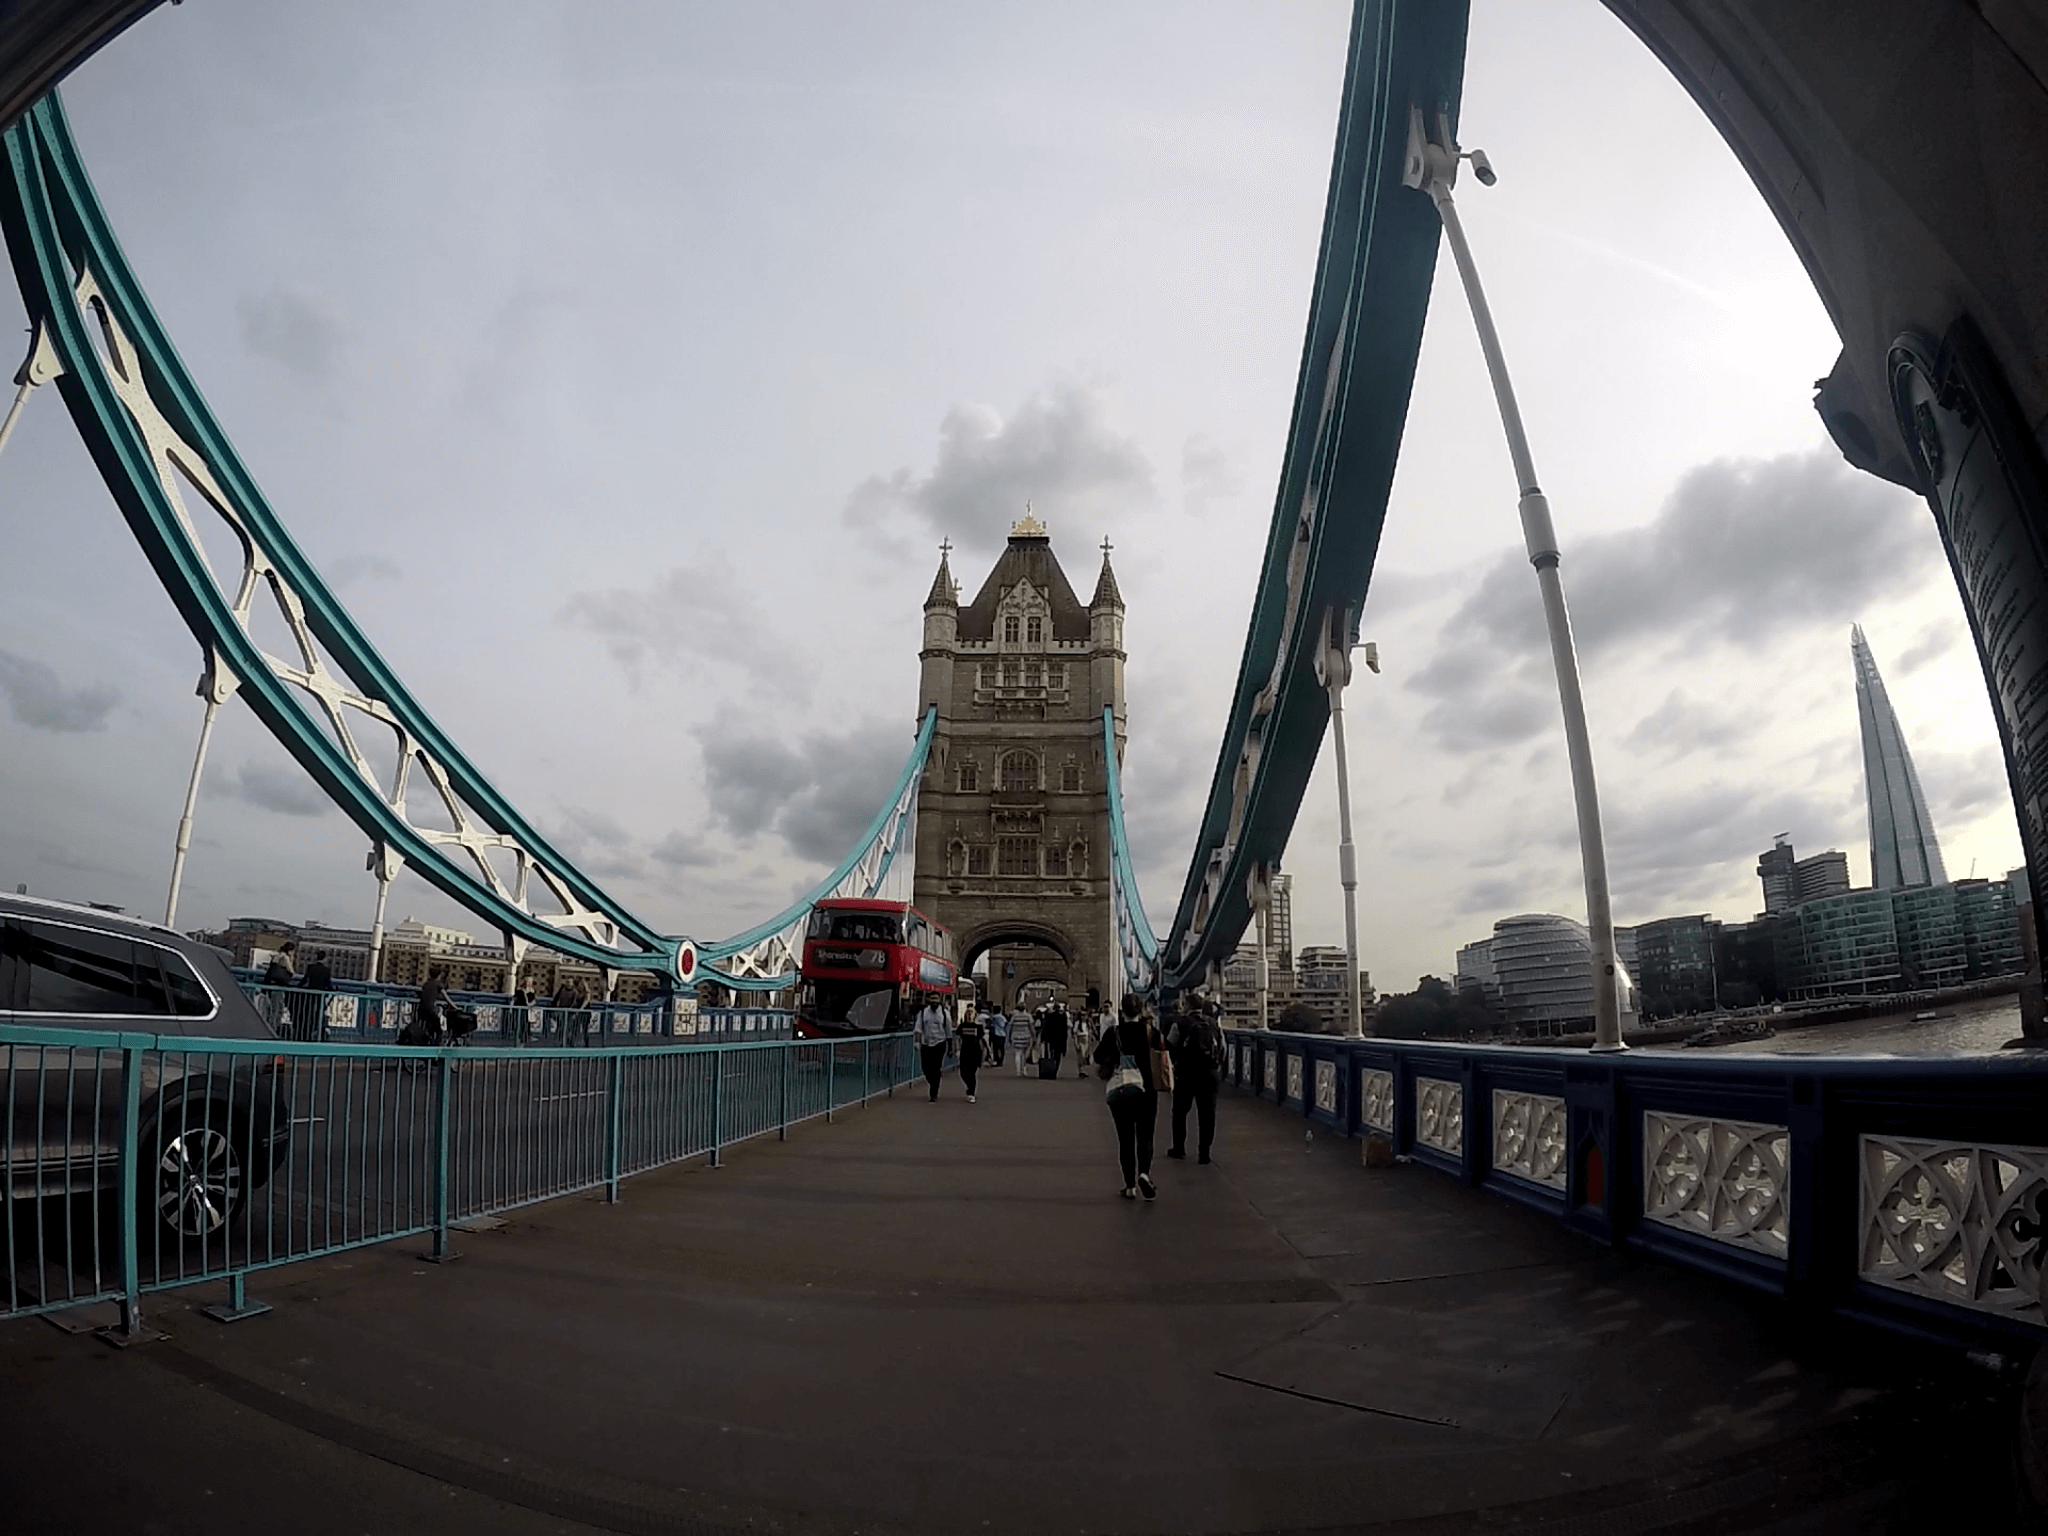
(1972, 1028)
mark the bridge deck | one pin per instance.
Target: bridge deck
(941, 1318)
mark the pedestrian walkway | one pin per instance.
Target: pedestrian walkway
(941, 1317)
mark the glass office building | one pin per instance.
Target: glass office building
(1903, 851)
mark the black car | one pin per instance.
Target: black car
(213, 1126)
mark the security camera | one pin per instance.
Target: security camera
(1482, 168)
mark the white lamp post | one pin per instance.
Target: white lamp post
(1333, 671)
(1432, 167)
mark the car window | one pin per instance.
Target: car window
(188, 995)
(78, 970)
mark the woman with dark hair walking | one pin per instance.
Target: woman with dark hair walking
(1132, 1057)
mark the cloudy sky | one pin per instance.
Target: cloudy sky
(623, 365)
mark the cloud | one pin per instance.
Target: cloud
(1059, 450)
(352, 569)
(1207, 473)
(1932, 643)
(38, 700)
(1961, 786)
(291, 329)
(691, 615)
(1741, 554)
(283, 788)
(1680, 725)
(818, 792)
(684, 851)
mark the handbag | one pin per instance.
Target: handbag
(1162, 1070)
(1126, 1081)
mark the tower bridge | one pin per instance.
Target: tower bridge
(1488, 1324)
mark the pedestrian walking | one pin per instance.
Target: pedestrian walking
(1132, 1058)
(568, 1002)
(971, 1043)
(319, 975)
(1052, 1039)
(934, 1031)
(998, 1037)
(429, 1014)
(1195, 1043)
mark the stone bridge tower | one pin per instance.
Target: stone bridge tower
(1013, 816)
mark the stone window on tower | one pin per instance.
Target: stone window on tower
(956, 857)
(969, 778)
(1006, 675)
(1016, 856)
(1034, 630)
(1032, 675)
(977, 859)
(1010, 630)
(1056, 861)
(1020, 771)
(1070, 778)
(1056, 675)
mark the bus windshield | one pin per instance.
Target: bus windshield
(857, 927)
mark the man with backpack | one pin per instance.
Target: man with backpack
(1195, 1042)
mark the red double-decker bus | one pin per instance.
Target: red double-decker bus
(867, 965)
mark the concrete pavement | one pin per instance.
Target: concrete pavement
(942, 1318)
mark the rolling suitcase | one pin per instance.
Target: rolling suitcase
(1048, 1067)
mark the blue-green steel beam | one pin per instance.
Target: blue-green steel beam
(58, 236)
(1366, 313)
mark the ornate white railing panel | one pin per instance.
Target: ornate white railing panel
(1376, 1099)
(1529, 1136)
(1723, 1179)
(1271, 1076)
(1960, 1223)
(1440, 1115)
(1326, 1087)
(1294, 1078)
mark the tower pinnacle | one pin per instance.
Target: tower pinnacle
(1106, 593)
(944, 593)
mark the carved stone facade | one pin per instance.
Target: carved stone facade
(1013, 839)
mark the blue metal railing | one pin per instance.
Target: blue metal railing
(141, 1162)
(1913, 1194)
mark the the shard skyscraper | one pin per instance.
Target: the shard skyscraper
(1903, 851)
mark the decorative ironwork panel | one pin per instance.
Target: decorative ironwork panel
(1294, 1078)
(1244, 1064)
(1271, 1076)
(1960, 1223)
(1376, 1099)
(1529, 1136)
(1724, 1179)
(1326, 1087)
(1440, 1114)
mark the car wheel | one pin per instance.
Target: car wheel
(200, 1178)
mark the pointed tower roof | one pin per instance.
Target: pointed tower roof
(1028, 557)
(1903, 849)
(945, 591)
(1106, 593)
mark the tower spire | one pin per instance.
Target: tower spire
(945, 591)
(1106, 593)
(1903, 849)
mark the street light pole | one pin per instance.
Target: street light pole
(1432, 167)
